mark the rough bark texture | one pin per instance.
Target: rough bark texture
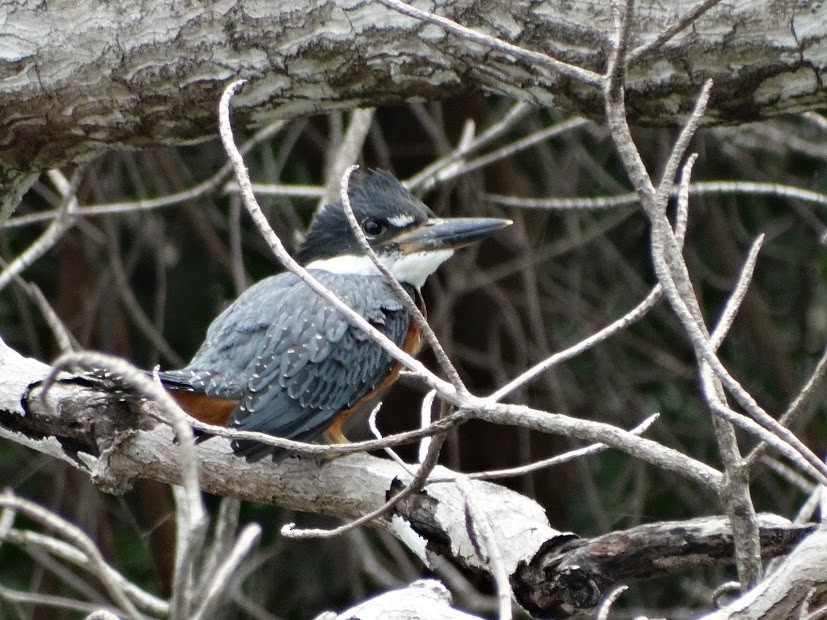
(551, 573)
(425, 599)
(80, 77)
(796, 588)
(570, 576)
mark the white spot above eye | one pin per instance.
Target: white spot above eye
(400, 221)
(411, 268)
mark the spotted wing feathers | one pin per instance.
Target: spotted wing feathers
(291, 359)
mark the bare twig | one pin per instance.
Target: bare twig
(133, 206)
(552, 461)
(802, 405)
(388, 450)
(412, 487)
(218, 581)
(681, 144)
(737, 296)
(73, 555)
(285, 259)
(278, 189)
(530, 57)
(47, 600)
(313, 449)
(479, 521)
(699, 188)
(81, 541)
(425, 418)
(347, 153)
(401, 293)
(602, 611)
(133, 306)
(627, 319)
(63, 221)
(690, 18)
(588, 430)
(458, 168)
(64, 339)
(429, 176)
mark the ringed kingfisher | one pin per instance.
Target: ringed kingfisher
(281, 360)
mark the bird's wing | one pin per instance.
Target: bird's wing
(220, 366)
(315, 364)
(290, 358)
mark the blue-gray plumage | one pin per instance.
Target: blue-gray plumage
(292, 373)
(281, 360)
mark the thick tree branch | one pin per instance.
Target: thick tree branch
(132, 74)
(116, 442)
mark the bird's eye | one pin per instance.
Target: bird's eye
(372, 228)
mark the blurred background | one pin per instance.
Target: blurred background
(144, 283)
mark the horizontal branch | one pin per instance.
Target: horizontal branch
(572, 576)
(133, 74)
(118, 441)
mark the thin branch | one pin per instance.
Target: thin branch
(218, 581)
(63, 221)
(65, 341)
(588, 430)
(79, 539)
(285, 259)
(478, 520)
(278, 189)
(347, 153)
(530, 57)
(401, 293)
(803, 404)
(133, 206)
(315, 449)
(464, 167)
(133, 306)
(47, 600)
(425, 468)
(553, 461)
(682, 143)
(425, 418)
(602, 611)
(378, 434)
(737, 296)
(700, 188)
(697, 11)
(635, 314)
(71, 554)
(225, 527)
(615, 74)
(102, 614)
(432, 174)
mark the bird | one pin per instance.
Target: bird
(282, 360)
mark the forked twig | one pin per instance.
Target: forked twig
(401, 293)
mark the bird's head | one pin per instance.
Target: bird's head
(405, 234)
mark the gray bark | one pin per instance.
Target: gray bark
(80, 77)
(425, 599)
(117, 441)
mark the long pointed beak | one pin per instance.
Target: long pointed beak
(447, 234)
